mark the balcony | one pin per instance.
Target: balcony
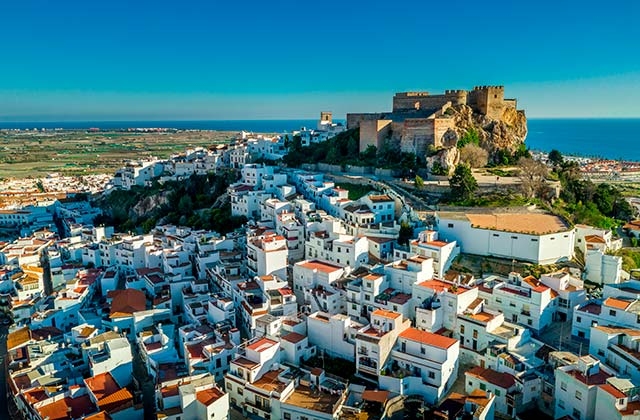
(525, 312)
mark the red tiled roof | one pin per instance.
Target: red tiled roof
(322, 266)
(262, 345)
(535, 284)
(440, 286)
(293, 337)
(127, 301)
(209, 396)
(375, 396)
(428, 338)
(102, 385)
(613, 391)
(67, 407)
(617, 303)
(386, 314)
(503, 380)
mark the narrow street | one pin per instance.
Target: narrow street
(558, 335)
(146, 383)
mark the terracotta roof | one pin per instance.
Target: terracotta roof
(379, 198)
(617, 303)
(67, 407)
(440, 286)
(262, 345)
(613, 391)
(595, 238)
(528, 223)
(18, 338)
(293, 337)
(592, 308)
(102, 385)
(503, 380)
(428, 338)
(44, 333)
(126, 302)
(209, 396)
(323, 266)
(103, 415)
(375, 396)
(386, 314)
(535, 284)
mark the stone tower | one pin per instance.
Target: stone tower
(488, 100)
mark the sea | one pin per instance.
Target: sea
(598, 138)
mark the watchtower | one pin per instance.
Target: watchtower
(488, 100)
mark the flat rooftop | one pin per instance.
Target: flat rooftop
(306, 398)
(529, 223)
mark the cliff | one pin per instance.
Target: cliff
(507, 133)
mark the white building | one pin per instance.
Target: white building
(577, 388)
(443, 253)
(421, 363)
(534, 237)
(333, 335)
(267, 254)
(617, 400)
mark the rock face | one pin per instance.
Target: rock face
(507, 133)
(445, 159)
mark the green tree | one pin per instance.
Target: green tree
(406, 233)
(463, 184)
(470, 137)
(419, 182)
(556, 158)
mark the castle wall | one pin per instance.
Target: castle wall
(373, 132)
(353, 120)
(441, 125)
(411, 101)
(417, 135)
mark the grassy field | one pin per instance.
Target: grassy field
(355, 190)
(80, 153)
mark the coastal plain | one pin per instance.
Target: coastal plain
(80, 152)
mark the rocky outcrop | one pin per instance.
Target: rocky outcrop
(147, 204)
(444, 161)
(508, 133)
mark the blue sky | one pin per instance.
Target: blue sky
(197, 59)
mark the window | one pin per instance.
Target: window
(534, 240)
(495, 235)
(529, 322)
(578, 319)
(498, 300)
(450, 225)
(560, 403)
(576, 414)
(461, 329)
(483, 387)
(578, 395)
(601, 352)
(497, 392)
(240, 392)
(286, 416)
(612, 312)
(563, 386)
(367, 297)
(423, 350)
(432, 375)
(475, 333)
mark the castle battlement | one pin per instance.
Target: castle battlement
(455, 91)
(501, 87)
(412, 94)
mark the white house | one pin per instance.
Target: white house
(535, 237)
(421, 363)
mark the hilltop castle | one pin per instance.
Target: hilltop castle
(419, 119)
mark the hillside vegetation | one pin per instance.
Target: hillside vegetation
(199, 202)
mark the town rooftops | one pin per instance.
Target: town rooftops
(209, 396)
(305, 397)
(262, 345)
(386, 314)
(18, 338)
(381, 198)
(440, 286)
(67, 407)
(126, 302)
(322, 266)
(528, 223)
(617, 303)
(293, 337)
(595, 239)
(428, 338)
(503, 380)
